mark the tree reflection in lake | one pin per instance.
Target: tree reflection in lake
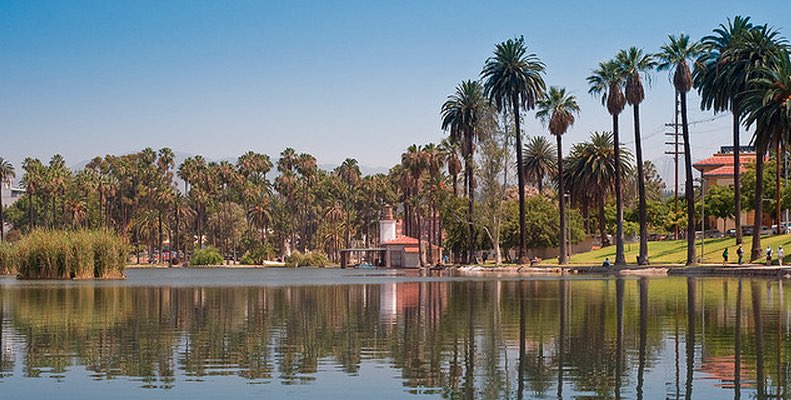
(607, 338)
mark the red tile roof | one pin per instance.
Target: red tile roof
(725, 170)
(403, 240)
(725, 159)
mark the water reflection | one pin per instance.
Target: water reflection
(562, 339)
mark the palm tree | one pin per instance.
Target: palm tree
(32, 180)
(765, 103)
(450, 153)
(461, 115)
(557, 109)
(590, 170)
(539, 161)
(513, 78)
(674, 57)
(606, 81)
(349, 173)
(720, 81)
(6, 175)
(414, 162)
(634, 65)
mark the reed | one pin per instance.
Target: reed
(53, 254)
(9, 263)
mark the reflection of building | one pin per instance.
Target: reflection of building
(718, 170)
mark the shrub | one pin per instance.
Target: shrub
(9, 263)
(257, 255)
(206, 256)
(309, 259)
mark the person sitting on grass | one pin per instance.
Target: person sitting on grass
(535, 260)
(606, 263)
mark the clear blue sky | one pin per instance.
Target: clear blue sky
(360, 79)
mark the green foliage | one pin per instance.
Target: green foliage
(719, 202)
(309, 259)
(258, 255)
(206, 256)
(70, 255)
(542, 223)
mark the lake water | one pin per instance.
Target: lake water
(334, 334)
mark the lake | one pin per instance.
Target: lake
(348, 334)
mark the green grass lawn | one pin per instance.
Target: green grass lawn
(675, 251)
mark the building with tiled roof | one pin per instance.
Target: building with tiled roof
(718, 170)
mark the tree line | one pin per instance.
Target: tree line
(457, 194)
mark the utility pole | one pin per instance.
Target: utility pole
(674, 152)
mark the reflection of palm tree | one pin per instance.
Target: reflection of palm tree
(692, 296)
(643, 287)
(757, 295)
(737, 358)
(619, 303)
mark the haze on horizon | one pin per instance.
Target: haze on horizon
(334, 79)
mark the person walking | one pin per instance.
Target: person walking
(780, 255)
(740, 254)
(768, 255)
(725, 256)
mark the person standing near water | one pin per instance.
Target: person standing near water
(725, 256)
(768, 255)
(780, 255)
(740, 254)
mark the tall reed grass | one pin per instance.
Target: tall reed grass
(54, 254)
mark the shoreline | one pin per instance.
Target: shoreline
(749, 270)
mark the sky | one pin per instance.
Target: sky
(337, 79)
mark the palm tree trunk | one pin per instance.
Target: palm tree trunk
(737, 185)
(755, 252)
(520, 173)
(689, 193)
(455, 185)
(30, 210)
(562, 256)
(620, 259)
(602, 221)
(471, 259)
(779, 160)
(638, 150)
(2, 220)
(177, 238)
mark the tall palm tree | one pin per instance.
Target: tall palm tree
(765, 103)
(415, 164)
(590, 170)
(674, 57)
(539, 161)
(461, 115)
(349, 172)
(557, 109)
(6, 175)
(450, 153)
(720, 81)
(606, 81)
(513, 78)
(634, 65)
(32, 180)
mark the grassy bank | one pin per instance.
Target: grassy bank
(675, 251)
(65, 255)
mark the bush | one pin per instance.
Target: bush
(257, 255)
(206, 256)
(71, 254)
(309, 259)
(9, 263)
